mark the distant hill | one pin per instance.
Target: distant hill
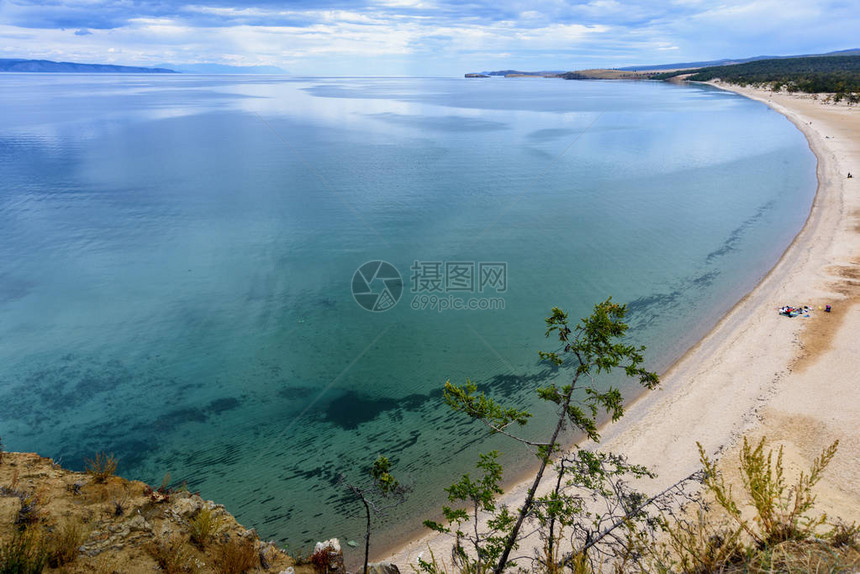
(836, 74)
(728, 62)
(616, 73)
(224, 69)
(44, 66)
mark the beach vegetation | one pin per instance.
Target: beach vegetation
(592, 517)
(781, 511)
(770, 527)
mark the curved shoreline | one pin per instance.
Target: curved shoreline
(735, 380)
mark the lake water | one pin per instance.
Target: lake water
(178, 256)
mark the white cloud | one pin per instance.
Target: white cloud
(439, 36)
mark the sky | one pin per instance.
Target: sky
(422, 37)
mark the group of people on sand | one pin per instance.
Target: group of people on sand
(790, 311)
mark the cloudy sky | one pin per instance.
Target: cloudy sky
(422, 37)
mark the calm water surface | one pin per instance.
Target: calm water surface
(177, 257)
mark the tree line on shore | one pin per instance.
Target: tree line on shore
(820, 74)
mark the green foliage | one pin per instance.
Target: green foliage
(593, 346)
(432, 566)
(468, 400)
(781, 512)
(479, 496)
(384, 489)
(204, 526)
(25, 553)
(102, 467)
(700, 546)
(382, 478)
(782, 534)
(839, 74)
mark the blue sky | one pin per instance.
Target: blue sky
(422, 37)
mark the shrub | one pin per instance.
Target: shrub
(781, 512)
(236, 556)
(25, 553)
(171, 555)
(102, 467)
(63, 544)
(162, 493)
(204, 526)
(782, 535)
(30, 512)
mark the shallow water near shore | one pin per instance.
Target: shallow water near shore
(178, 257)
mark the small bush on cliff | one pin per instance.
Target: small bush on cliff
(30, 511)
(64, 542)
(25, 553)
(236, 556)
(204, 526)
(171, 554)
(102, 467)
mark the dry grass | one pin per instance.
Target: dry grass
(236, 556)
(804, 557)
(25, 553)
(102, 467)
(65, 541)
(171, 554)
(69, 505)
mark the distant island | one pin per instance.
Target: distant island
(514, 74)
(47, 66)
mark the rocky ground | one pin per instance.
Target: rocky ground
(81, 522)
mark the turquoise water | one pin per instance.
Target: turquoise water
(177, 257)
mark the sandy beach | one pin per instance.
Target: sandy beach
(758, 373)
